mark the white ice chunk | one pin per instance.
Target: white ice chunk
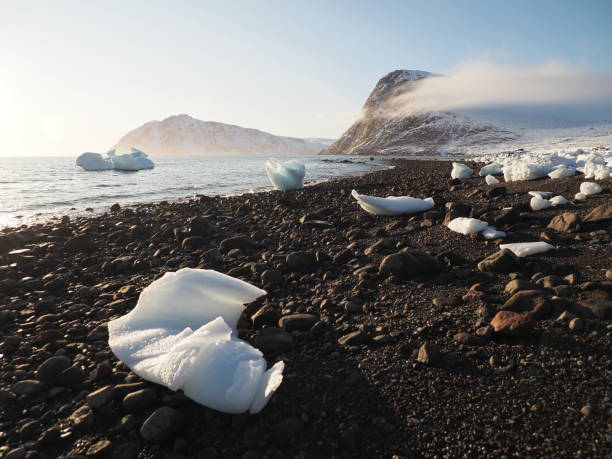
(465, 225)
(491, 169)
(392, 205)
(491, 180)
(596, 170)
(588, 188)
(562, 171)
(537, 203)
(523, 249)
(93, 162)
(286, 176)
(133, 161)
(580, 197)
(461, 171)
(523, 171)
(541, 194)
(491, 233)
(558, 201)
(182, 335)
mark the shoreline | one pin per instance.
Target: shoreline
(371, 368)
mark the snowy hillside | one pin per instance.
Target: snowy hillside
(186, 136)
(392, 122)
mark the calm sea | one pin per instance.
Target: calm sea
(34, 189)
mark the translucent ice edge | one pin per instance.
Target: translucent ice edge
(182, 335)
(285, 176)
(523, 249)
(392, 205)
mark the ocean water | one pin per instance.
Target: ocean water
(35, 189)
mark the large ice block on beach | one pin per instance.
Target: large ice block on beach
(133, 161)
(461, 171)
(491, 180)
(182, 334)
(465, 225)
(558, 201)
(392, 205)
(588, 188)
(596, 169)
(521, 170)
(93, 162)
(286, 175)
(491, 169)
(523, 249)
(562, 171)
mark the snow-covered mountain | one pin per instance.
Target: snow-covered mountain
(186, 136)
(392, 123)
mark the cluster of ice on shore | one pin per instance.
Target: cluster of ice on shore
(182, 334)
(133, 161)
(392, 205)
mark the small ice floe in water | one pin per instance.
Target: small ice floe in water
(465, 225)
(135, 160)
(580, 197)
(182, 334)
(558, 201)
(460, 171)
(93, 162)
(491, 169)
(588, 188)
(491, 180)
(491, 233)
(523, 249)
(392, 205)
(562, 171)
(537, 203)
(286, 176)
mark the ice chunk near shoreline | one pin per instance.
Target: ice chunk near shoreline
(461, 171)
(491, 169)
(491, 180)
(580, 197)
(588, 188)
(93, 162)
(561, 171)
(523, 249)
(537, 203)
(465, 225)
(520, 170)
(558, 201)
(490, 232)
(285, 176)
(182, 334)
(597, 171)
(392, 205)
(135, 160)
(541, 194)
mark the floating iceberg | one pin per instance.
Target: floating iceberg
(537, 203)
(465, 225)
(491, 180)
(460, 171)
(523, 249)
(491, 169)
(588, 188)
(133, 161)
(491, 232)
(93, 162)
(558, 201)
(286, 176)
(392, 205)
(182, 335)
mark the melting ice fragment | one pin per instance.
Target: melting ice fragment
(523, 249)
(562, 171)
(588, 188)
(580, 197)
(541, 194)
(558, 201)
(182, 334)
(285, 176)
(465, 225)
(460, 171)
(523, 171)
(491, 169)
(135, 160)
(537, 203)
(491, 233)
(392, 205)
(491, 180)
(93, 162)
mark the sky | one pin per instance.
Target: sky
(77, 75)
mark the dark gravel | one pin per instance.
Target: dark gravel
(392, 362)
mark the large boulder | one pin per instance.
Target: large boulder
(600, 213)
(567, 222)
(509, 323)
(409, 264)
(503, 261)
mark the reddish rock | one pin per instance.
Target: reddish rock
(509, 323)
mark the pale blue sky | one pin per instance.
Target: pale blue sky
(76, 75)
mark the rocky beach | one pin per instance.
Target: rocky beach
(400, 337)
